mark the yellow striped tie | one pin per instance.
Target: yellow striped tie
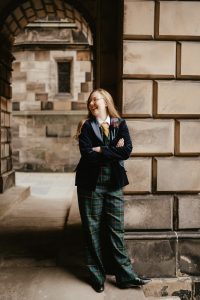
(105, 127)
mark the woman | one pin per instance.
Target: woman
(104, 143)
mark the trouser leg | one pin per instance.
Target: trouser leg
(90, 207)
(114, 209)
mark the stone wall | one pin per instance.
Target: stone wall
(45, 142)
(44, 121)
(7, 177)
(161, 89)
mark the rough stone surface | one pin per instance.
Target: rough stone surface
(179, 18)
(139, 174)
(12, 197)
(180, 287)
(46, 142)
(189, 212)
(137, 97)
(178, 174)
(188, 254)
(149, 58)
(189, 136)
(148, 212)
(152, 136)
(174, 98)
(139, 18)
(190, 60)
(151, 257)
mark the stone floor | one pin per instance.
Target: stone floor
(41, 245)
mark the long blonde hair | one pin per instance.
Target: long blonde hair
(112, 111)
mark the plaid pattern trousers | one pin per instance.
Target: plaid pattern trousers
(102, 216)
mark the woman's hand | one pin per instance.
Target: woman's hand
(97, 149)
(120, 143)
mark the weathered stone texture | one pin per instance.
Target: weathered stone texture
(190, 59)
(46, 142)
(178, 97)
(83, 55)
(188, 253)
(137, 97)
(139, 18)
(139, 174)
(189, 212)
(178, 174)
(36, 87)
(151, 256)
(152, 136)
(189, 131)
(179, 18)
(25, 105)
(62, 105)
(42, 55)
(149, 58)
(148, 212)
(169, 288)
(36, 73)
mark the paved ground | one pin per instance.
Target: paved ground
(41, 245)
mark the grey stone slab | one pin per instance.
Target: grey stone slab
(114, 293)
(148, 212)
(12, 197)
(169, 288)
(163, 298)
(189, 254)
(189, 212)
(46, 283)
(151, 256)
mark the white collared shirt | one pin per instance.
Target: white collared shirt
(107, 120)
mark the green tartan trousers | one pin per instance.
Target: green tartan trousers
(102, 216)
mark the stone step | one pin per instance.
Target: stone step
(163, 298)
(169, 288)
(12, 197)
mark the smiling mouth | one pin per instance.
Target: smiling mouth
(93, 108)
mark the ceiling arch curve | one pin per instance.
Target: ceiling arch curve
(32, 10)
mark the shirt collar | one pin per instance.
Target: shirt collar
(107, 120)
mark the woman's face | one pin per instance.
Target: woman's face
(97, 104)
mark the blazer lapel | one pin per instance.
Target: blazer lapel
(113, 129)
(95, 127)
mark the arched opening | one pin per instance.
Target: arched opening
(92, 18)
(61, 42)
(52, 78)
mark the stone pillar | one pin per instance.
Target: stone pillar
(7, 176)
(161, 92)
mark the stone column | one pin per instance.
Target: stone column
(7, 176)
(161, 92)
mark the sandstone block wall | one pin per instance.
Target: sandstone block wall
(7, 177)
(45, 120)
(45, 142)
(161, 103)
(35, 79)
(161, 92)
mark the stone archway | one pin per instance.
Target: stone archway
(24, 13)
(105, 33)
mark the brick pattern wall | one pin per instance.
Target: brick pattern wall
(44, 120)
(7, 174)
(35, 82)
(161, 102)
(45, 142)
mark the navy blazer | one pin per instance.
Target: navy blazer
(88, 168)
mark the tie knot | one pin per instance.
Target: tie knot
(105, 127)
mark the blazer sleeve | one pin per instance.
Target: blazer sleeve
(111, 152)
(85, 146)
